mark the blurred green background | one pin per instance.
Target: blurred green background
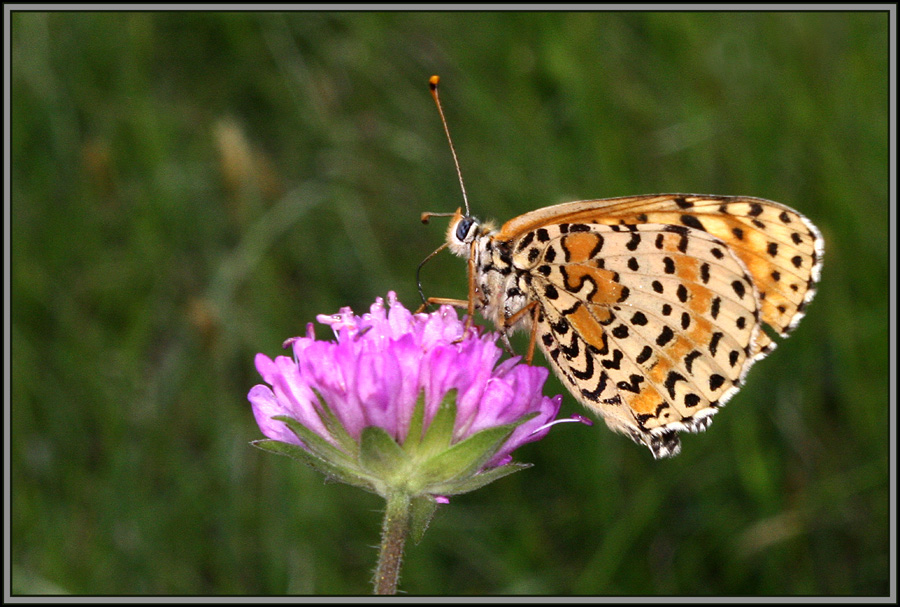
(189, 189)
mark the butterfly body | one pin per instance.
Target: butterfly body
(649, 308)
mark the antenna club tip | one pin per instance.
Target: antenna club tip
(433, 81)
(425, 217)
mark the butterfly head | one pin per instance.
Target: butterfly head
(463, 229)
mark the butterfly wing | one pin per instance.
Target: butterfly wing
(652, 315)
(780, 248)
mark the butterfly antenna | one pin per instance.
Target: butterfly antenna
(433, 84)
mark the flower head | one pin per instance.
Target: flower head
(401, 402)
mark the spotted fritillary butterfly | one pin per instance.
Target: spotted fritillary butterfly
(650, 309)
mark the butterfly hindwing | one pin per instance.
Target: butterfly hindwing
(651, 326)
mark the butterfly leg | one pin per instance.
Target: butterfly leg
(442, 301)
(473, 287)
(512, 319)
(469, 304)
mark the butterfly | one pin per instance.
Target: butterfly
(650, 309)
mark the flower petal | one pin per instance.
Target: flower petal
(372, 374)
(265, 407)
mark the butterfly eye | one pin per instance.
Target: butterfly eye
(464, 229)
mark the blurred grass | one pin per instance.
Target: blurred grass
(189, 189)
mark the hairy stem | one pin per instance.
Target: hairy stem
(394, 530)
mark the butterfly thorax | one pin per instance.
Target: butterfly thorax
(499, 284)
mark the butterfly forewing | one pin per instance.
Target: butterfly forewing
(780, 248)
(650, 308)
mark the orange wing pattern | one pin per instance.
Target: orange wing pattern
(651, 307)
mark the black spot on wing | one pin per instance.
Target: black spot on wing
(645, 355)
(689, 360)
(633, 243)
(526, 240)
(615, 363)
(633, 385)
(671, 379)
(692, 222)
(665, 336)
(594, 395)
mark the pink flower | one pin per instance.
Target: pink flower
(391, 373)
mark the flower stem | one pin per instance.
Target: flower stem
(394, 530)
